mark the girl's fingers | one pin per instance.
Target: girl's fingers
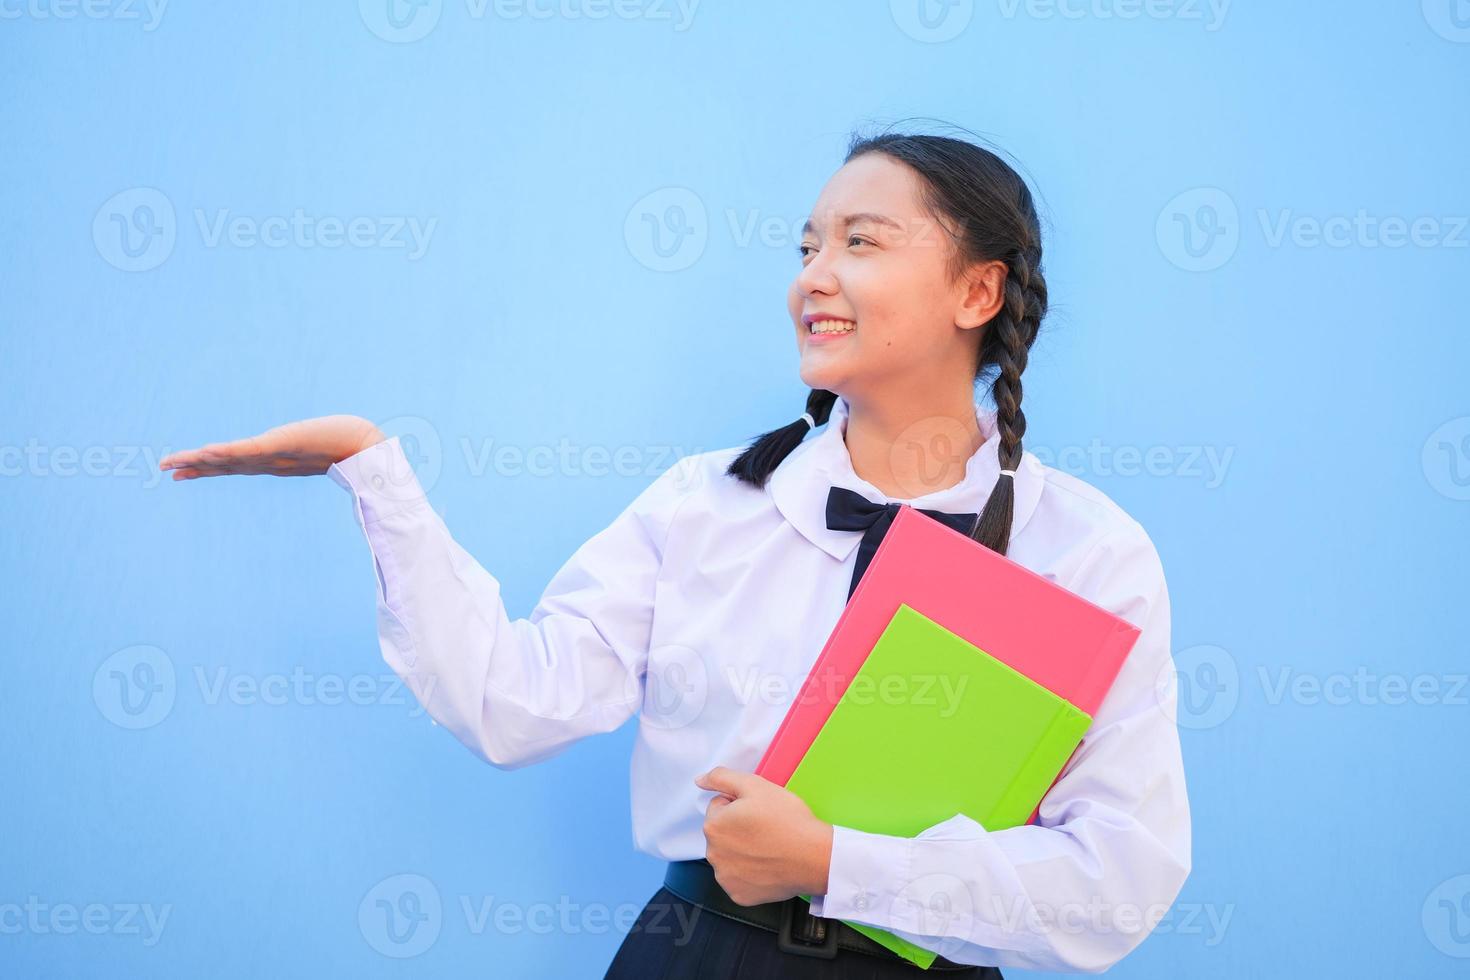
(189, 471)
(219, 451)
(213, 454)
(185, 457)
(266, 453)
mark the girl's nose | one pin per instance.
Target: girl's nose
(816, 277)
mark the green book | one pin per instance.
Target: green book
(931, 726)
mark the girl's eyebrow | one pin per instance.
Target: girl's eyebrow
(848, 220)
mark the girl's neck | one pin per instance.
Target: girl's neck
(910, 447)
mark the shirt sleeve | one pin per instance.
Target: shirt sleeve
(1081, 888)
(514, 691)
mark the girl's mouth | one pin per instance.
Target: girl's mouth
(829, 330)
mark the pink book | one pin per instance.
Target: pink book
(1065, 643)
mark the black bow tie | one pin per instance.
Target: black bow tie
(849, 511)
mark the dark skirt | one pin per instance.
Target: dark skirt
(673, 940)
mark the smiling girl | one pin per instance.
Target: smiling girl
(920, 284)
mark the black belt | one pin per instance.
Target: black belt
(797, 930)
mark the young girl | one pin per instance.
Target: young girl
(702, 607)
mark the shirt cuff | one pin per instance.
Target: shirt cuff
(862, 864)
(382, 480)
(949, 886)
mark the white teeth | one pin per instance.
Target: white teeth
(833, 326)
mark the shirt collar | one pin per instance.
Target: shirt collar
(799, 486)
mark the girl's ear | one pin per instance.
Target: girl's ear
(984, 296)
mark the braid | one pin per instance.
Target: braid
(1012, 331)
(761, 457)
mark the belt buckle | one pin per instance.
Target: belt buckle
(788, 940)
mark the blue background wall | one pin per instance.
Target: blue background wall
(1258, 252)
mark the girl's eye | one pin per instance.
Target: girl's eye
(802, 250)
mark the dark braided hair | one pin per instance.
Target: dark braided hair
(993, 217)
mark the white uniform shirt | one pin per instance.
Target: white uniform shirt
(702, 607)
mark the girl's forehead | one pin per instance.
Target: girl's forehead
(869, 185)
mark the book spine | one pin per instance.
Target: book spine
(1023, 797)
(1105, 665)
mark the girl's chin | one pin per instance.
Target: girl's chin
(817, 374)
